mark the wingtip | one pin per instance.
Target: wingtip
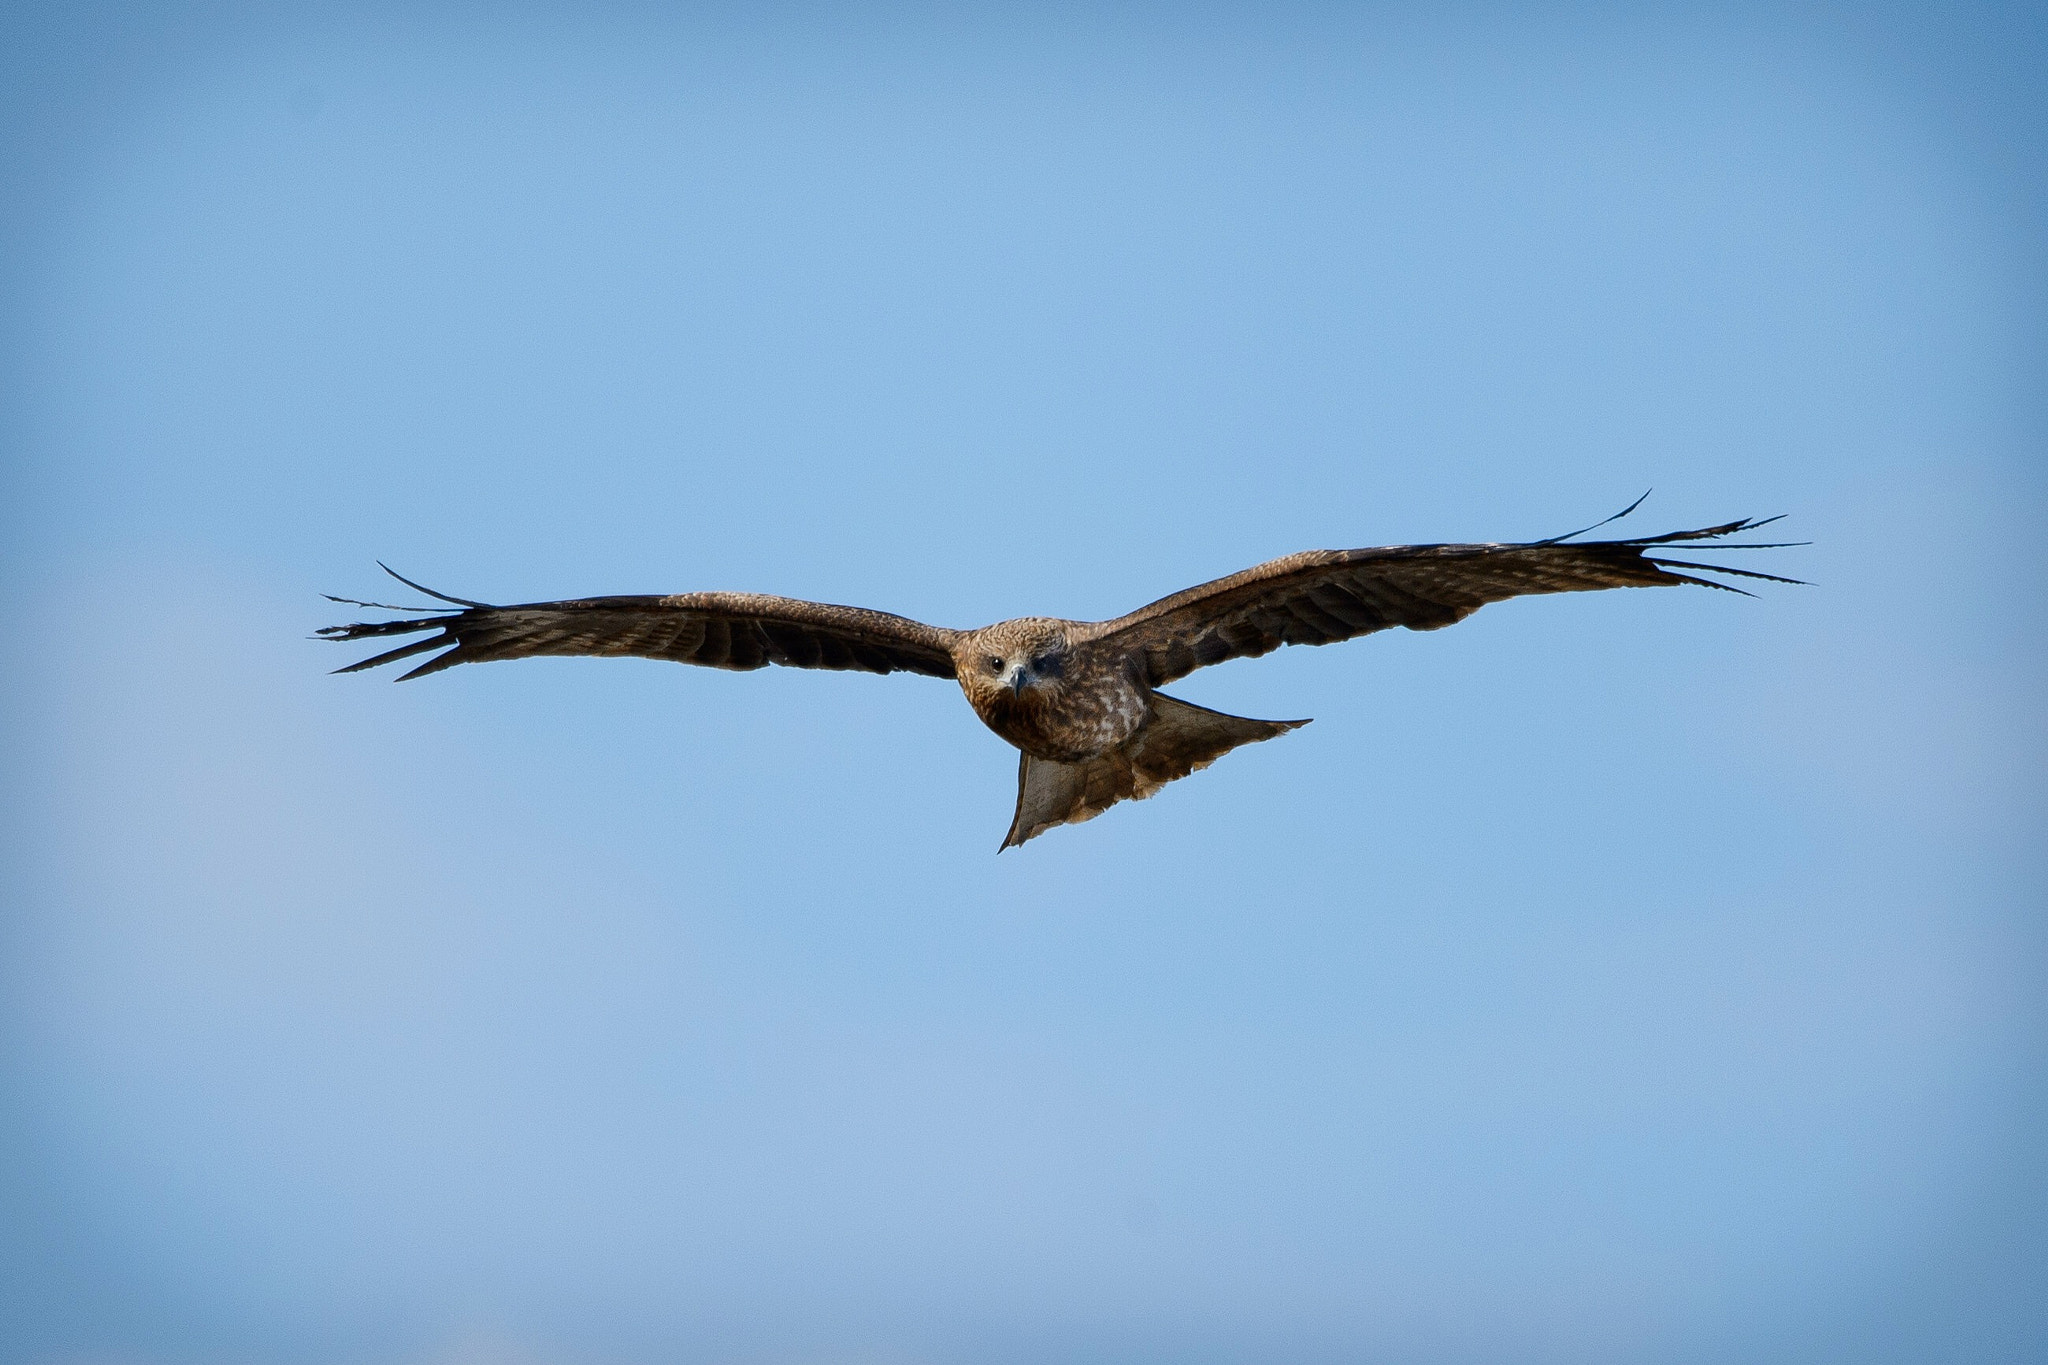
(404, 651)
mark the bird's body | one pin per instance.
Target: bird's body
(1050, 697)
(1078, 699)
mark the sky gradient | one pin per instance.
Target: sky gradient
(1635, 976)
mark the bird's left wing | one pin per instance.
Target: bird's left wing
(1321, 596)
(716, 629)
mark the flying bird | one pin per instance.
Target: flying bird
(1079, 700)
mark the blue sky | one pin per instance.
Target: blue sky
(1623, 977)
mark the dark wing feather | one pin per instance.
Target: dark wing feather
(716, 629)
(1321, 596)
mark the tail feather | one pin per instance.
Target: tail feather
(1181, 738)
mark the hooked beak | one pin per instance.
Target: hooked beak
(1019, 677)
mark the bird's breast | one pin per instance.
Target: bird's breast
(1077, 718)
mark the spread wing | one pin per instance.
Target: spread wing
(717, 629)
(1321, 596)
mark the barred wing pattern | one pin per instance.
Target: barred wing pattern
(1321, 596)
(715, 629)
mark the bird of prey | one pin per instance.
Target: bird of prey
(1080, 700)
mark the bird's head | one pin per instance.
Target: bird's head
(1011, 660)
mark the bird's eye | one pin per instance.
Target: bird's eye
(995, 665)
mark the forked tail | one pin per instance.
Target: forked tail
(1179, 739)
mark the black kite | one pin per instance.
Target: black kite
(1078, 699)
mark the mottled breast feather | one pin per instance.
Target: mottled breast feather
(1097, 704)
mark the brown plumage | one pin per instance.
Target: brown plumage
(1078, 699)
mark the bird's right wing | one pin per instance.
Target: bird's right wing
(716, 629)
(1322, 596)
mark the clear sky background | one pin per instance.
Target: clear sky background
(1647, 976)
